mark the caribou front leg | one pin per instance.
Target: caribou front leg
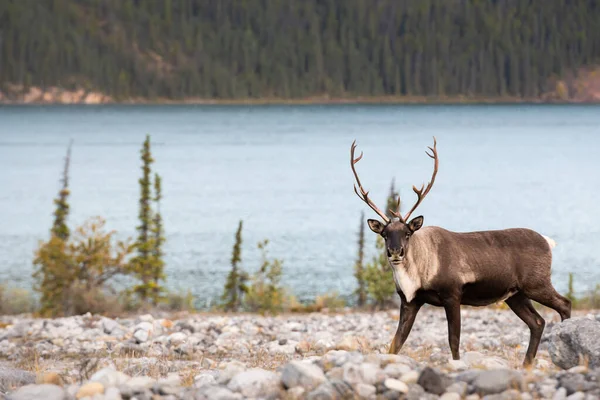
(408, 312)
(452, 307)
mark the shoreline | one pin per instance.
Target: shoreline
(314, 101)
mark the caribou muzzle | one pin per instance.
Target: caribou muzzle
(396, 255)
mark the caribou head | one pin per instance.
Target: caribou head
(398, 230)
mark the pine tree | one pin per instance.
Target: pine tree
(59, 227)
(361, 291)
(53, 272)
(236, 284)
(158, 240)
(148, 265)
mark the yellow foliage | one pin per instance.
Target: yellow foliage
(562, 91)
(71, 273)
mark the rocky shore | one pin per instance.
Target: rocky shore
(296, 356)
(17, 94)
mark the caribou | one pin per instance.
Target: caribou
(435, 266)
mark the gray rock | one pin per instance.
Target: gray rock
(416, 392)
(433, 381)
(36, 392)
(332, 390)
(11, 378)
(214, 392)
(204, 379)
(410, 377)
(391, 395)
(140, 383)
(352, 374)
(231, 369)
(364, 390)
(109, 325)
(547, 391)
(335, 373)
(325, 391)
(371, 373)
(255, 382)
(141, 335)
(573, 340)
(575, 383)
(396, 370)
(109, 377)
(468, 376)
(397, 359)
(177, 338)
(457, 365)
(172, 379)
(337, 358)
(497, 381)
(450, 396)
(458, 387)
(506, 395)
(112, 393)
(306, 375)
(561, 394)
(395, 385)
(296, 393)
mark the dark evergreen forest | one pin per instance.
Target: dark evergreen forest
(226, 49)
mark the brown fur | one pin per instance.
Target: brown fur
(476, 269)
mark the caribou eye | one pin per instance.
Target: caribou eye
(407, 235)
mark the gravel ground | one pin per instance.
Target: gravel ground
(316, 356)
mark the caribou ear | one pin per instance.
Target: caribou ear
(375, 226)
(416, 223)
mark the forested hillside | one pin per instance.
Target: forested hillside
(232, 49)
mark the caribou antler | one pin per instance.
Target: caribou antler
(420, 192)
(363, 195)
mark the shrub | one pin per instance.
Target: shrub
(73, 275)
(15, 301)
(96, 300)
(330, 301)
(265, 293)
(179, 302)
(589, 300)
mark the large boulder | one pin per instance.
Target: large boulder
(575, 341)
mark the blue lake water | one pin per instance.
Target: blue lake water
(285, 171)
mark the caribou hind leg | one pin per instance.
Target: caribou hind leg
(524, 309)
(408, 313)
(546, 295)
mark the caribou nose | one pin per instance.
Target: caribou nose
(395, 252)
